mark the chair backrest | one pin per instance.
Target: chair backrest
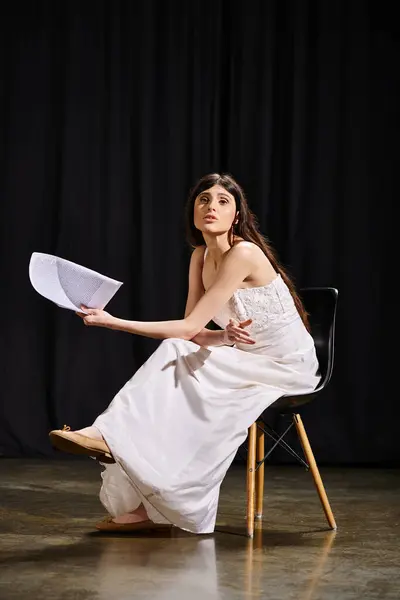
(321, 303)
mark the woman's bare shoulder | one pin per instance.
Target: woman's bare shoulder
(253, 254)
(198, 254)
(246, 249)
(199, 249)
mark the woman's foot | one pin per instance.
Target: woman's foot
(108, 524)
(136, 520)
(91, 432)
(76, 443)
(136, 516)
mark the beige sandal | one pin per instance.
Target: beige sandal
(75, 443)
(107, 524)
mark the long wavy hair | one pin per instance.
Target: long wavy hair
(245, 228)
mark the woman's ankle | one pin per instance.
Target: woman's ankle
(90, 432)
(141, 512)
(135, 516)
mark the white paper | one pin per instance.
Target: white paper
(70, 285)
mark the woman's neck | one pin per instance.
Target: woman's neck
(217, 247)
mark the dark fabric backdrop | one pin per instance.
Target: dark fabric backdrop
(110, 111)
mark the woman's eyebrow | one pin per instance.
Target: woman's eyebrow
(221, 195)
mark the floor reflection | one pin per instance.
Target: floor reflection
(257, 564)
(179, 565)
(167, 566)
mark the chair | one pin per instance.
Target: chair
(320, 303)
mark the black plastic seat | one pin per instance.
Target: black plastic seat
(320, 304)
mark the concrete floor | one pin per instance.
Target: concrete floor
(49, 548)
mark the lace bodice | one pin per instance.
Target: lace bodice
(270, 307)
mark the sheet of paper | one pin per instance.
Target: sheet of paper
(69, 285)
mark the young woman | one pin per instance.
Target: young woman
(169, 436)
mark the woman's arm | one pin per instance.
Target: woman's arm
(206, 337)
(210, 337)
(168, 329)
(236, 266)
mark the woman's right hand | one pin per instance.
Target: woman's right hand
(234, 333)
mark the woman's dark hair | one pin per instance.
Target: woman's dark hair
(246, 228)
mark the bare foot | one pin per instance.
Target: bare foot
(91, 432)
(136, 516)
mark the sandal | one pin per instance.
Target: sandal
(75, 443)
(107, 524)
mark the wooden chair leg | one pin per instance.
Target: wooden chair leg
(314, 470)
(260, 474)
(251, 478)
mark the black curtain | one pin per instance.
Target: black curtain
(110, 111)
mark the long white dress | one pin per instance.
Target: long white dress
(175, 427)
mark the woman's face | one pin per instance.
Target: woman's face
(214, 211)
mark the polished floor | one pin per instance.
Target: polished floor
(49, 548)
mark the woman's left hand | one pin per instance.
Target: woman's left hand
(96, 317)
(235, 333)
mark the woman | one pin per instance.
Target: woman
(170, 434)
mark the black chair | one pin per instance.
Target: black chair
(320, 303)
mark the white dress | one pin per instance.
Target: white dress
(175, 427)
